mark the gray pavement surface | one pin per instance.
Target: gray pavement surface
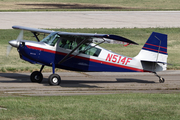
(91, 19)
(90, 83)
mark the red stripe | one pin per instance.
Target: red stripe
(154, 50)
(156, 45)
(90, 59)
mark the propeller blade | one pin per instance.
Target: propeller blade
(20, 36)
(9, 48)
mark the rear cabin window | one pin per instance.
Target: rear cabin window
(89, 50)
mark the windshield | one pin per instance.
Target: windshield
(51, 39)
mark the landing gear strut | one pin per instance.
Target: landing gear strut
(161, 80)
(54, 79)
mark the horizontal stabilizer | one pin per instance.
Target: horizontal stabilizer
(156, 62)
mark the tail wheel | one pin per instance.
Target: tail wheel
(36, 76)
(161, 80)
(54, 79)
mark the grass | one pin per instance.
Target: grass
(58, 5)
(14, 64)
(117, 106)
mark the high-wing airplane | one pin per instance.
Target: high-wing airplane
(81, 52)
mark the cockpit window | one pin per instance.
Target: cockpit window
(51, 39)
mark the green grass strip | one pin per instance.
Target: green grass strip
(93, 107)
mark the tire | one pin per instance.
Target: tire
(161, 80)
(54, 79)
(36, 76)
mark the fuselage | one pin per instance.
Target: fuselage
(105, 60)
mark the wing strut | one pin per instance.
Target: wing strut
(82, 42)
(35, 35)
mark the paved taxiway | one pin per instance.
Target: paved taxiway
(91, 19)
(76, 83)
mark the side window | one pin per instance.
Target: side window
(82, 48)
(63, 43)
(67, 44)
(74, 44)
(93, 52)
(56, 37)
(89, 50)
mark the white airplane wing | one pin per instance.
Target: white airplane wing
(106, 36)
(35, 30)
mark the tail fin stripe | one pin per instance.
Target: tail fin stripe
(156, 45)
(154, 50)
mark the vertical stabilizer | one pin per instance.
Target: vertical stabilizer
(155, 51)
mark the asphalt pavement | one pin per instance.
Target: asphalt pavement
(90, 83)
(91, 19)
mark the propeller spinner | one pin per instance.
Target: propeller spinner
(15, 43)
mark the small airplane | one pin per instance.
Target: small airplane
(81, 52)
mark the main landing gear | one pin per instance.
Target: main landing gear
(161, 80)
(54, 79)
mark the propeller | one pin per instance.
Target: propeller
(20, 36)
(14, 43)
(9, 48)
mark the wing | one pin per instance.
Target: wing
(33, 30)
(106, 36)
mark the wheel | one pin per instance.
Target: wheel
(161, 80)
(36, 76)
(54, 79)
